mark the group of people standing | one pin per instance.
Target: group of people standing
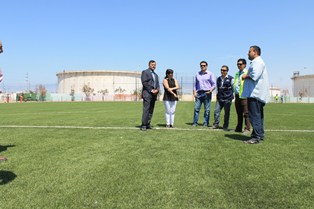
(150, 82)
(249, 87)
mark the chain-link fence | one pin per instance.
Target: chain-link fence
(127, 91)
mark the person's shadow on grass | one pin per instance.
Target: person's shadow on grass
(161, 125)
(238, 137)
(189, 124)
(6, 177)
(157, 125)
(5, 147)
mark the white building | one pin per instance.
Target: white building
(274, 91)
(303, 85)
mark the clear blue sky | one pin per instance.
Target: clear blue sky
(44, 37)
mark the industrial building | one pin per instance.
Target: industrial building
(110, 84)
(303, 85)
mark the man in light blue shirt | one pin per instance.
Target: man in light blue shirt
(256, 89)
(204, 85)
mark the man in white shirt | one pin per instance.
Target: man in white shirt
(256, 89)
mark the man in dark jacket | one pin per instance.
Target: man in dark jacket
(224, 97)
(150, 90)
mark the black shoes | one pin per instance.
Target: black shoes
(144, 128)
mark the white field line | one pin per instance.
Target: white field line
(135, 128)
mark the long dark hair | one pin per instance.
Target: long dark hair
(168, 71)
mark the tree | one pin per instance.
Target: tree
(286, 92)
(42, 92)
(137, 93)
(72, 95)
(103, 92)
(119, 90)
(87, 91)
(119, 93)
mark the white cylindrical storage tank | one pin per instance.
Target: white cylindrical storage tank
(112, 82)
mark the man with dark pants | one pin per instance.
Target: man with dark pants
(150, 90)
(256, 89)
(1, 76)
(240, 102)
(204, 85)
(224, 97)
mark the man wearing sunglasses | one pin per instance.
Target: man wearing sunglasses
(204, 85)
(256, 89)
(224, 97)
(240, 102)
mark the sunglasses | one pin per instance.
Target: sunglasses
(203, 65)
(239, 64)
(223, 70)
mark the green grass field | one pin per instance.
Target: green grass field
(92, 155)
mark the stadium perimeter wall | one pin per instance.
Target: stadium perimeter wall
(56, 97)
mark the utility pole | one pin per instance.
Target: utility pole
(27, 82)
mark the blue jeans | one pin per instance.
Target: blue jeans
(256, 113)
(226, 106)
(206, 99)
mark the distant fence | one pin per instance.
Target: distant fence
(54, 97)
(117, 92)
(288, 99)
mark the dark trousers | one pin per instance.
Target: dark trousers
(148, 108)
(256, 113)
(242, 112)
(226, 106)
